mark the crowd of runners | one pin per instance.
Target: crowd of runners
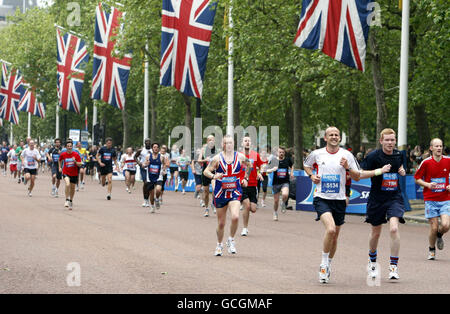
(235, 179)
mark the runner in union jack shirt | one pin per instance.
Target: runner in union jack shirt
(228, 189)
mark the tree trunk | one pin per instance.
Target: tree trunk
(126, 128)
(422, 129)
(290, 123)
(378, 83)
(188, 114)
(354, 123)
(152, 96)
(298, 130)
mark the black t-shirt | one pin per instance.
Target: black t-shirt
(54, 153)
(209, 153)
(385, 186)
(282, 175)
(107, 155)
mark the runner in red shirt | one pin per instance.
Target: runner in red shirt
(433, 175)
(250, 192)
(69, 164)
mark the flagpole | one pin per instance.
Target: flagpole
(230, 118)
(94, 121)
(29, 125)
(146, 89)
(11, 135)
(403, 99)
(57, 122)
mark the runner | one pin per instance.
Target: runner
(331, 164)
(249, 193)
(282, 171)
(68, 163)
(174, 154)
(197, 169)
(265, 181)
(82, 171)
(53, 158)
(30, 161)
(128, 163)
(183, 163)
(166, 156)
(93, 164)
(106, 156)
(433, 175)
(140, 157)
(154, 163)
(385, 201)
(42, 158)
(13, 160)
(4, 157)
(19, 151)
(208, 152)
(227, 191)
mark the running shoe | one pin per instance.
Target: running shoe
(128, 190)
(431, 255)
(29, 193)
(56, 193)
(393, 272)
(157, 203)
(66, 204)
(206, 214)
(263, 204)
(244, 232)
(283, 207)
(77, 189)
(145, 204)
(183, 192)
(70, 205)
(53, 192)
(108, 197)
(324, 273)
(202, 204)
(219, 250)
(231, 247)
(372, 270)
(440, 243)
(152, 209)
(275, 216)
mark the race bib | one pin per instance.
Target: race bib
(131, 165)
(440, 184)
(229, 183)
(390, 182)
(331, 183)
(55, 157)
(282, 173)
(153, 169)
(107, 156)
(31, 162)
(69, 163)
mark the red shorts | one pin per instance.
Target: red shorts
(13, 168)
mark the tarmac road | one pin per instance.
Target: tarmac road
(121, 248)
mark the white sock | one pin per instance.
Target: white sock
(325, 260)
(329, 261)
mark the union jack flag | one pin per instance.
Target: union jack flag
(186, 34)
(11, 91)
(72, 58)
(337, 27)
(110, 75)
(29, 103)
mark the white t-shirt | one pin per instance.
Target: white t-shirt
(332, 174)
(28, 158)
(12, 157)
(128, 162)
